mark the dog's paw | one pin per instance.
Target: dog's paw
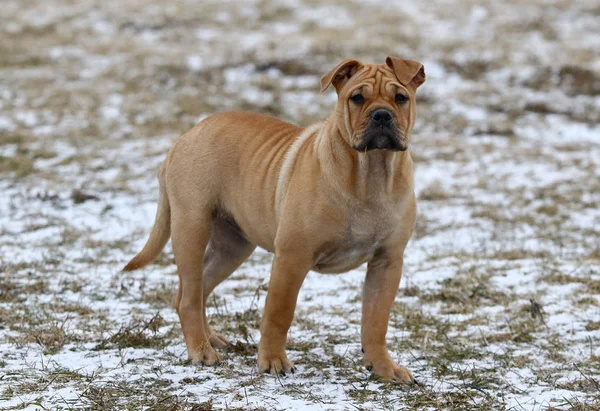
(206, 356)
(385, 368)
(394, 372)
(274, 363)
(218, 340)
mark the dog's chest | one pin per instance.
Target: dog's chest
(355, 244)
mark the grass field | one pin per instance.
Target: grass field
(499, 304)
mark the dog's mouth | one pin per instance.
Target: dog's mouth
(381, 138)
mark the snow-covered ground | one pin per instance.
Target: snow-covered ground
(499, 304)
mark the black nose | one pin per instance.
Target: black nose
(382, 116)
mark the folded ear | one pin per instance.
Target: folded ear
(408, 72)
(340, 74)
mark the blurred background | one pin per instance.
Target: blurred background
(498, 304)
(124, 70)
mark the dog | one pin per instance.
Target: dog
(327, 198)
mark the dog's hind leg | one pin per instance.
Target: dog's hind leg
(227, 249)
(190, 235)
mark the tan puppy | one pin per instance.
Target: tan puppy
(328, 198)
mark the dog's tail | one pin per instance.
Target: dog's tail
(160, 232)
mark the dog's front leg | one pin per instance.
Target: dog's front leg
(287, 275)
(380, 289)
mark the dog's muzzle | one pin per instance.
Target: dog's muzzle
(381, 133)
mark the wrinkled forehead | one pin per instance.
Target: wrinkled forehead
(376, 79)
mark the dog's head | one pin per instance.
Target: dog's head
(376, 103)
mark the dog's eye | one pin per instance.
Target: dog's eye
(357, 99)
(401, 98)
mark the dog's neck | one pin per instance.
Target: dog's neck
(373, 174)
